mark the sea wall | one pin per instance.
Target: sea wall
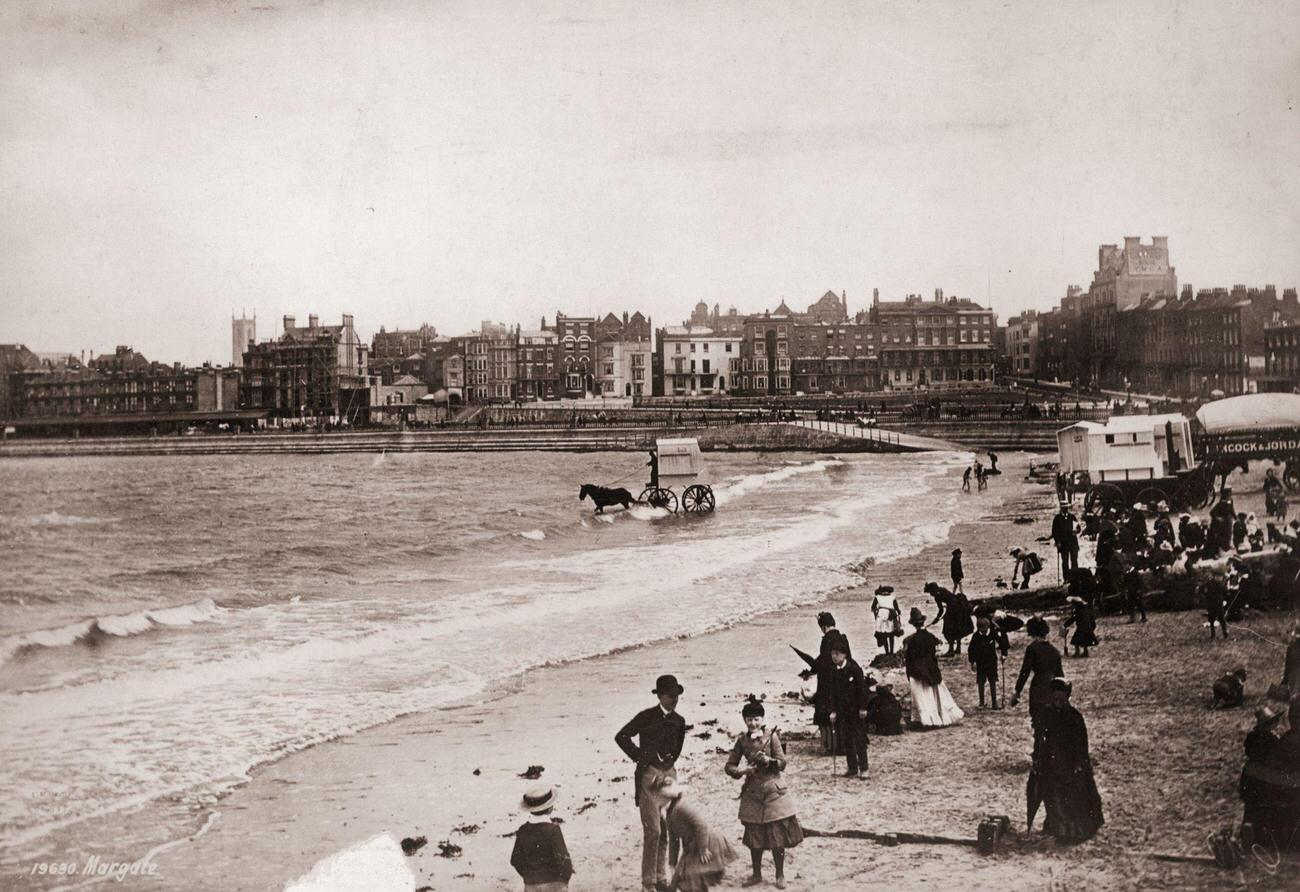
(740, 437)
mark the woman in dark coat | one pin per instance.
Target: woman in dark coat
(1064, 770)
(955, 611)
(1043, 662)
(1256, 786)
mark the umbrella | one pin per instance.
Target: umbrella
(1033, 798)
(807, 658)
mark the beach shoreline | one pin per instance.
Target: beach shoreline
(478, 801)
(453, 774)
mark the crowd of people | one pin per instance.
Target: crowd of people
(680, 850)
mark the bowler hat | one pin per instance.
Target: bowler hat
(884, 589)
(539, 799)
(916, 617)
(667, 684)
(1266, 715)
(956, 551)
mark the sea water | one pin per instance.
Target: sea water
(167, 625)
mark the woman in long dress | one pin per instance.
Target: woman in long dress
(932, 705)
(1064, 770)
(888, 615)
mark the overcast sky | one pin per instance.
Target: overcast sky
(162, 164)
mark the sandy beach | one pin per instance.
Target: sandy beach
(1166, 766)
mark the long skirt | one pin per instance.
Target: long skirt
(933, 706)
(693, 874)
(783, 834)
(1073, 803)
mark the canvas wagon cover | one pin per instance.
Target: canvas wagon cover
(1252, 412)
(678, 457)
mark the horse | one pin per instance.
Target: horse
(604, 497)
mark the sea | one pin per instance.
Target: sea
(167, 625)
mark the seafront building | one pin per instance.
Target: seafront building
(624, 348)
(1135, 330)
(312, 373)
(695, 361)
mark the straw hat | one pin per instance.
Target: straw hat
(539, 800)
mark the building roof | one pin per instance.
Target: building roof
(1127, 424)
(406, 381)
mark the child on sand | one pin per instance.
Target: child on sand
(540, 855)
(766, 809)
(705, 852)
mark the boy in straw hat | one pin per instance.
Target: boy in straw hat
(540, 855)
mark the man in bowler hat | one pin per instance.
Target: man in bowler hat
(660, 733)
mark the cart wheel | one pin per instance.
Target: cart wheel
(1291, 477)
(1103, 495)
(698, 499)
(662, 498)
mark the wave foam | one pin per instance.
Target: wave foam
(535, 535)
(751, 482)
(115, 625)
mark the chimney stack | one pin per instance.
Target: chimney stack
(312, 320)
(347, 320)
(289, 322)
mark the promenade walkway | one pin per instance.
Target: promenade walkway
(891, 441)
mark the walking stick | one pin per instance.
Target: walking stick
(834, 750)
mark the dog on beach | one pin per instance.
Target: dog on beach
(604, 497)
(1229, 690)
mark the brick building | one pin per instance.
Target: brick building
(314, 371)
(576, 338)
(944, 343)
(1022, 343)
(401, 352)
(1281, 358)
(539, 377)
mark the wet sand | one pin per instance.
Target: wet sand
(1166, 766)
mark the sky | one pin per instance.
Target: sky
(164, 165)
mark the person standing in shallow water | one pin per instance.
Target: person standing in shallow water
(660, 733)
(766, 808)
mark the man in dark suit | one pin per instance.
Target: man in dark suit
(660, 733)
(821, 667)
(1066, 538)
